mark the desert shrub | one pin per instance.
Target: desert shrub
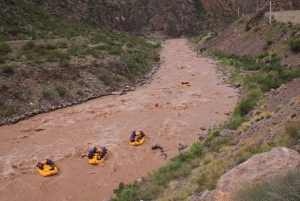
(79, 92)
(208, 178)
(115, 50)
(130, 45)
(3, 86)
(295, 45)
(47, 93)
(235, 121)
(7, 110)
(256, 29)
(245, 106)
(81, 82)
(252, 148)
(293, 131)
(108, 78)
(8, 69)
(262, 55)
(293, 33)
(4, 48)
(28, 93)
(61, 90)
(29, 45)
(217, 142)
(49, 46)
(126, 192)
(247, 26)
(2, 59)
(280, 187)
(65, 62)
(73, 50)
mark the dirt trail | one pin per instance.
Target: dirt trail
(66, 134)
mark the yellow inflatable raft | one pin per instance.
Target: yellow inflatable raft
(47, 171)
(95, 160)
(137, 143)
(185, 84)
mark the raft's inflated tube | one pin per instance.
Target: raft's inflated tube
(95, 160)
(47, 171)
(137, 143)
(187, 84)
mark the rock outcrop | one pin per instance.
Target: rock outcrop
(260, 166)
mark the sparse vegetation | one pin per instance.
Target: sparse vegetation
(60, 90)
(295, 45)
(179, 167)
(280, 187)
(8, 69)
(47, 93)
(4, 48)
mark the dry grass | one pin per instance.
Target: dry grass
(264, 115)
(281, 187)
(208, 176)
(244, 127)
(279, 107)
(183, 194)
(256, 112)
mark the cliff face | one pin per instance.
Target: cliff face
(174, 17)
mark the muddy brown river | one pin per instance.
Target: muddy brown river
(67, 134)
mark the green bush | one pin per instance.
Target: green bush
(115, 50)
(103, 47)
(235, 121)
(8, 69)
(295, 45)
(47, 93)
(61, 90)
(245, 106)
(81, 82)
(2, 59)
(247, 26)
(107, 78)
(217, 142)
(262, 55)
(4, 48)
(128, 192)
(293, 131)
(29, 45)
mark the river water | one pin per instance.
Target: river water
(67, 134)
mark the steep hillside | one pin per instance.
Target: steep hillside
(43, 75)
(51, 19)
(174, 17)
(251, 34)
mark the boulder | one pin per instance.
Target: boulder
(227, 132)
(260, 166)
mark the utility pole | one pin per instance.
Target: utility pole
(270, 17)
